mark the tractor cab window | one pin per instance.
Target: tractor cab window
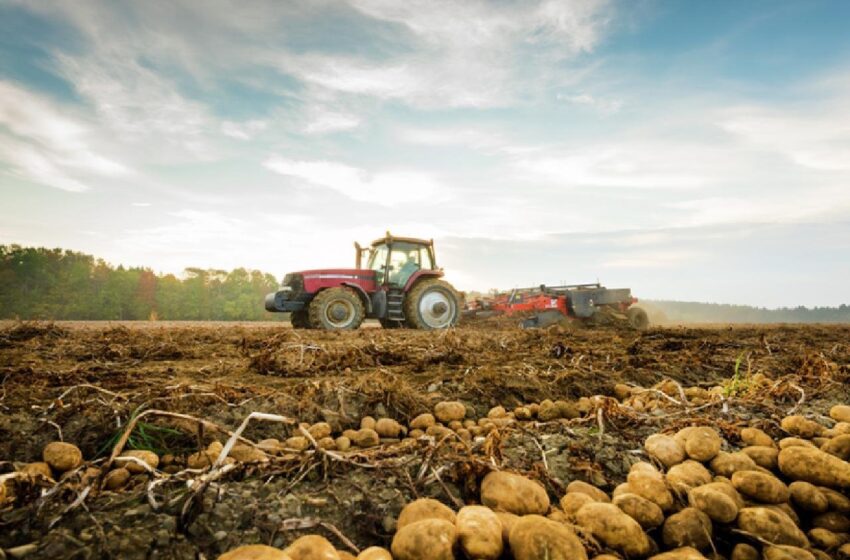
(405, 260)
(425, 259)
(378, 262)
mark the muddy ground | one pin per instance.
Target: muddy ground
(84, 383)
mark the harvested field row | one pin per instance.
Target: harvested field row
(86, 386)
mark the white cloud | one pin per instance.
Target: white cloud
(613, 165)
(387, 188)
(243, 131)
(603, 105)
(323, 121)
(139, 106)
(650, 259)
(817, 139)
(44, 144)
(469, 54)
(477, 139)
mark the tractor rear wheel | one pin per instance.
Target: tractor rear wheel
(336, 309)
(300, 319)
(638, 319)
(432, 304)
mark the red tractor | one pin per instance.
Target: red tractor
(400, 286)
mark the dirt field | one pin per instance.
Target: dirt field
(83, 383)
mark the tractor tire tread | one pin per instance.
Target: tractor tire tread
(323, 298)
(411, 315)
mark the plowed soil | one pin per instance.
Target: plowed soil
(83, 383)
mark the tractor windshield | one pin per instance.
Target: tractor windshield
(404, 258)
(378, 262)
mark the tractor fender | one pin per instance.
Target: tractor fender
(421, 274)
(364, 297)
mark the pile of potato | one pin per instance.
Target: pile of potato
(697, 498)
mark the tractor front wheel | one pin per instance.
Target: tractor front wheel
(336, 309)
(300, 319)
(432, 304)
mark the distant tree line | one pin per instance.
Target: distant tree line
(40, 283)
(693, 312)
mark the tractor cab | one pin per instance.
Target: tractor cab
(396, 260)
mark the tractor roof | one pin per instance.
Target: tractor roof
(390, 238)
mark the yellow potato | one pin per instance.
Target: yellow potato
(826, 539)
(447, 411)
(424, 508)
(646, 513)
(785, 552)
(763, 456)
(62, 456)
(614, 528)
(815, 466)
(423, 421)
(756, 437)
(795, 442)
(837, 500)
(239, 453)
(714, 503)
(800, 426)
(726, 464)
(764, 488)
(581, 487)
(39, 468)
(808, 497)
(743, 551)
(480, 532)
(573, 501)
(429, 539)
(366, 437)
(682, 478)
(771, 525)
(255, 552)
(298, 443)
(513, 493)
(534, 537)
(311, 547)
(375, 553)
(321, 430)
(840, 413)
(703, 444)
(689, 527)
(116, 478)
(507, 520)
(388, 428)
(665, 448)
(683, 553)
(645, 481)
(838, 446)
(835, 521)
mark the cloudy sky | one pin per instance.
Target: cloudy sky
(689, 150)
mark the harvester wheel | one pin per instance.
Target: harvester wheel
(336, 309)
(432, 304)
(300, 319)
(638, 319)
